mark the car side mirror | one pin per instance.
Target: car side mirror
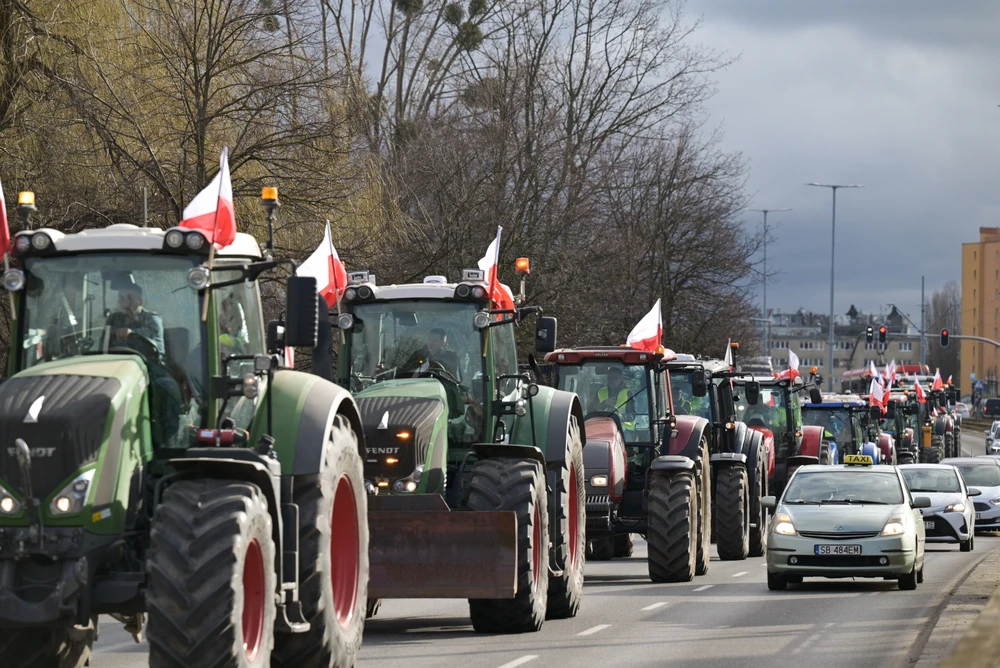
(972, 491)
(921, 502)
(875, 412)
(301, 312)
(752, 392)
(769, 502)
(815, 396)
(699, 386)
(545, 334)
(986, 431)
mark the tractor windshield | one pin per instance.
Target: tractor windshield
(685, 403)
(127, 303)
(836, 423)
(609, 387)
(771, 411)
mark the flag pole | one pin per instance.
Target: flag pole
(215, 230)
(6, 266)
(336, 286)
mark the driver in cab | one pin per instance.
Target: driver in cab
(132, 320)
(614, 396)
(437, 346)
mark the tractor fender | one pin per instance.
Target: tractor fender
(495, 450)
(941, 426)
(871, 450)
(672, 463)
(604, 454)
(907, 437)
(768, 438)
(551, 411)
(812, 439)
(303, 410)
(886, 445)
(728, 459)
(686, 439)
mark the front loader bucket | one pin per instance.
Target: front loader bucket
(418, 548)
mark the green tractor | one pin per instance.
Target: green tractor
(479, 470)
(156, 461)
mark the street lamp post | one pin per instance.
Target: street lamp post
(833, 243)
(767, 330)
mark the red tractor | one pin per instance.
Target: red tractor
(647, 468)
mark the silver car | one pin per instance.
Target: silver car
(951, 517)
(855, 520)
(993, 438)
(983, 473)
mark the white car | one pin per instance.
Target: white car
(993, 438)
(983, 473)
(951, 517)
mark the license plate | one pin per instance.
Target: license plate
(928, 524)
(837, 549)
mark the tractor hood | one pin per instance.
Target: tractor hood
(64, 412)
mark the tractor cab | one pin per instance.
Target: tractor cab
(846, 424)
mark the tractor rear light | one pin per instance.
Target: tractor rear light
(599, 481)
(70, 499)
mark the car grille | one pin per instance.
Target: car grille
(981, 506)
(838, 535)
(835, 561)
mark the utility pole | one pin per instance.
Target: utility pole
(767, 330)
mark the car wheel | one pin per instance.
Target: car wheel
(920, 575)
(776, 582)
(908, 582)
(793, 579)
(967, 545)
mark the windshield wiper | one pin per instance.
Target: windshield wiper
(798, 502)
(855, 501)
(933, 491)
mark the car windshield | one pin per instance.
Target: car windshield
(685, 403)
(921, 479)
(611, 387)
(128, 303)
(836, 422)
(980, 475)
(843, 486)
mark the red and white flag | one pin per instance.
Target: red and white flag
(211, 210)
(949, 376)
(325, 266)
(921, 397)
(876, 396)
(4, 229)
(728, 359)
(648, 332)
(938, 385)
(792, 371)
(500, 294)
(872, 371)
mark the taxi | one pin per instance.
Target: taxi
(853, 520)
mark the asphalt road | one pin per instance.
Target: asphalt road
(725, 618)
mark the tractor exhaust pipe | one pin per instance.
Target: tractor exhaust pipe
(23, 453)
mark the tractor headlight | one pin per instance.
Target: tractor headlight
(783, 525)
(8, 504)
(350, 294)
(22, 243)
(479, 292)
(894, 527)
(199, 278)
(481, 320)
(195, 241)
(13, 280)
(599, 481)
(41, 241)
(70, 499)
(345, 321)
(409, 484)
(174, 239)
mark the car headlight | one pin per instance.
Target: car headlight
(70, 499)
(995, 500)
(958, 507)
(783, 525)
(894, 527)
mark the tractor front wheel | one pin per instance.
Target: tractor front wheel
(703, 481)
(41, 647)
(569, 537)
(624, 545)
(932, 455)
(517, 485)
(333, 558)
(732, 513)
(671, 530)
(211, 577)
(758, 513)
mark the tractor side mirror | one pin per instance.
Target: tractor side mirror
(875, 412)
(301, 312)
(275, 336)
(890, 411)
(815, 396)
(699, 386)
(545, 334)
(752, 392)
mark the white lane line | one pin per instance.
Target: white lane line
(739, 575)
(829, 625)
(594, 629)
(655, 606)
(703, 588)
(520, 662)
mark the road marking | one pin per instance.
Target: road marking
(591, 631)
(704, 587)
(739, 575)
(829, 625)
(656, 605)
(520, 662)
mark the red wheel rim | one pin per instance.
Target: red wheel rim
(536, 551)
(345, 557)
(574, 517)
(253, 600)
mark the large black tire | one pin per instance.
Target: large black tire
(37, 647)
(776, 582)
(671, 529)
(732, 513)
(601, 549)
(704, 483)
(949, 445)
(825, 455)
(624, 545)
(211, 555)
(758, 513)
(518, 485)
(932, 455)
(569, 532)
(333, 583)
(909, 581)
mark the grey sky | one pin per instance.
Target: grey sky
(898, 95)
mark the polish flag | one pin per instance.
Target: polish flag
(500, 294)
(792, 371)
(872, 371)
(325, 266)
(876, 396)
(648, 332)
(921, 397)
(212, 211)
(938, 385)
(4, 229)
(949, 377)
(728, 359)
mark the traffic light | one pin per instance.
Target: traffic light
(870, 334)
(882, 331)
(944, 338)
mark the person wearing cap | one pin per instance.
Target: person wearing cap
(132, 318)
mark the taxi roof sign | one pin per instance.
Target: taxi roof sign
(858, 460)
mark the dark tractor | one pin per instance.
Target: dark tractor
(158, 463)
(738, 455)
(848, 429)
(647, 469)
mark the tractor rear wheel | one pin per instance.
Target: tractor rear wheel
(732, 513)
(569, 536)
(624, 545)
(671, 529)
(333, 558)
(758, 513)
(825, 455)
(601, 549)
(518, 485)
(211, 577)
(703, 480)
(41, 647)
(932, 455)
